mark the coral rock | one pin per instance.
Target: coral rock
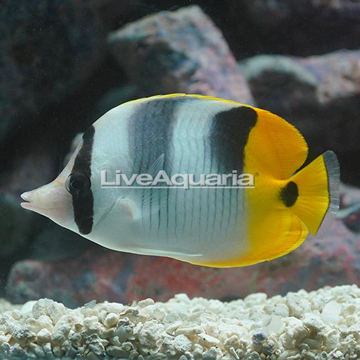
(47, 48)
(179, 51)
(318, 94)
(293, 27)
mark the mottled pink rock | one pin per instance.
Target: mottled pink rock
(47, 49)
(274, 12)
(350, 212)
(180, 51)
(318, 94)
(23, 172)
(98, 274)
(295, 27)
(350, 195)
(337, 75)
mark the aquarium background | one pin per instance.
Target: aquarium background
(64, 63)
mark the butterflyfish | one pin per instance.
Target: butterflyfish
(199, 179)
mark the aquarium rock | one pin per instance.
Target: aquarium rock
(20, 171)
(329, 85)
(64, 244)
(327, 327)
(14, 226)
(350, 211)
(180, 51)
(292, 26)
(47, 49)
(72, 280)
(112, 98)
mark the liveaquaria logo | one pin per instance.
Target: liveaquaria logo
(186, 181)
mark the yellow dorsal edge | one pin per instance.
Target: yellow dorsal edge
(204, 97)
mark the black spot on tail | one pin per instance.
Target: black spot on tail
(289, 194)
(83, 205)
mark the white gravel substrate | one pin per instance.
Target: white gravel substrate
(323, 324)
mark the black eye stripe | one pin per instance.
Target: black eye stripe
(83, 204)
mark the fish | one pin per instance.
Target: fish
(207, 181)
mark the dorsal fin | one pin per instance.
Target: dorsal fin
(275, 147)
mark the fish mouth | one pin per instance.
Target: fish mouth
(26, 196)
(29, 202)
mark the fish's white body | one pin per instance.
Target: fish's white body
(174, 222)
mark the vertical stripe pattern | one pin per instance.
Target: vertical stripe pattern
(151, 136)
(229, 135)
(188, 136)
(83, 206)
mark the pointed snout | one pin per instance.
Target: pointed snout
(36, 200)
(51, 200)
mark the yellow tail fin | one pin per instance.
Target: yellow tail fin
(317, 193)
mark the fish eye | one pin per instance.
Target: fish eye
(78, 183)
